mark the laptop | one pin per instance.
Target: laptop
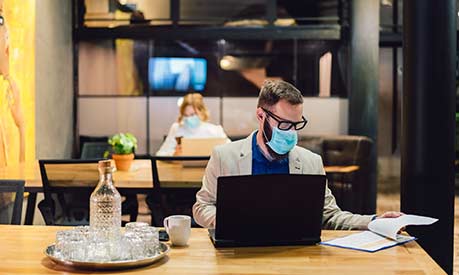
(200, 146)
(269, 210)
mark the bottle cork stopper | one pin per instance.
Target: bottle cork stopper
(107, 163)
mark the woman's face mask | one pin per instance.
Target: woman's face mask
(192, 122)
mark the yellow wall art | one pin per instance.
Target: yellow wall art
(17, 81)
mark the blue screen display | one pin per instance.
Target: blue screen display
(177, 73)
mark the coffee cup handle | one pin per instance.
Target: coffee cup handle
(166, 224)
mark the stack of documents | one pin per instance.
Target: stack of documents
(382, 234)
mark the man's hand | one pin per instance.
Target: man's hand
(390, 214)
(178, 150)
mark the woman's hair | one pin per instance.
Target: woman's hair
(196, 101)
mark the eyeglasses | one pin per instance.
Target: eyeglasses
(2, 20)
(286, 125)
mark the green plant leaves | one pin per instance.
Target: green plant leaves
(123, 143)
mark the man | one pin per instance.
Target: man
(272, 150)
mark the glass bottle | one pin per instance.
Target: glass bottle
(105, 205)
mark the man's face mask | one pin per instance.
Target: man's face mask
(279, 142)
(192, 122)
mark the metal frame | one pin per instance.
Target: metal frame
(393, 40)
(17, 187)
(315, 32)
(158, 202)
(173, 29)
(394, 77)
(47, 205)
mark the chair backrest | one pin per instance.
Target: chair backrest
(85, 139)
(347, 150)
(156, 159)
(67, 186)
(170, 201)
(353, 150)
(94, 150)
(15, 187)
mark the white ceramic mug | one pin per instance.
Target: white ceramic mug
(179, 228)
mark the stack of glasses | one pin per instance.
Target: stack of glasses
(84, 244)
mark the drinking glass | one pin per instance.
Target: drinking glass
(132, 226)
(133, 246)
(98, 249)
(150, 239)
(76, 246)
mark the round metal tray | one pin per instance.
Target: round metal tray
(163, 251)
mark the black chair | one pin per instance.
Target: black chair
(15, 187)
(94, 150)
(131, 205)
(165, 201)
(89, 139)
(67, 187)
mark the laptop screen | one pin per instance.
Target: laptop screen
(270, 207)
(200, 146)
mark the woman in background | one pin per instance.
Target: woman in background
(191, 123)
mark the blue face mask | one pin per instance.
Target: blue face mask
(282, 141)
(192, 122)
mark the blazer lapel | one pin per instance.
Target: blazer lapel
(245, 157)
(294, 162)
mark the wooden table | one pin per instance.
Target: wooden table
(137, 180)
(341, 169)
(339, 189)
(138, 177)
(23, 246)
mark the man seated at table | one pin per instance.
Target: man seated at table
(272, 150)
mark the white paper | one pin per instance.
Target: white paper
(367, 241)
(383, 233)
(390, 226)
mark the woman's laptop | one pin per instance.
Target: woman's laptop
(266, 210)
(199, 147)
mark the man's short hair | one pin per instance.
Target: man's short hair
(273, 91)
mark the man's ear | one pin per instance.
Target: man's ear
(259, 114)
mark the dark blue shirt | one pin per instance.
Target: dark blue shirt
(261, 165)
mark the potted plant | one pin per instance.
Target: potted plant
(123, 145)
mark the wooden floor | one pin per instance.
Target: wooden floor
(386, 202)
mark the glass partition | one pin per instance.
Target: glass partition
(221, 68)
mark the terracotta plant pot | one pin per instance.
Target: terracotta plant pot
(123, 161)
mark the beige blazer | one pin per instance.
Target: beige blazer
(235, 158)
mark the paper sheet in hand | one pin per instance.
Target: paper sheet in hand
(389, 227)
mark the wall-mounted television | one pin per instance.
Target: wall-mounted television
(180, 74)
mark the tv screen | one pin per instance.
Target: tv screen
(177, 74)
